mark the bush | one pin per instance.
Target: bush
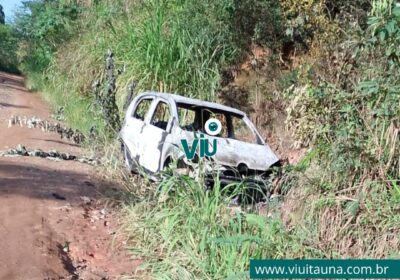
(351, 121)
(8, 56)
(42, 27)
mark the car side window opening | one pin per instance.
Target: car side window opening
(161, 116)
(187, 118)
(142, 108)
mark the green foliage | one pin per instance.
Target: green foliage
(42, 26)
(185, 232)
(8, 56)
(352, 123)
(384, 26)
(318, 23)
(305, 19)
(172, 46)
(80, 111)
(175, 46)
(42, 29)
(168, 52)
(343, 104)
(351, 116)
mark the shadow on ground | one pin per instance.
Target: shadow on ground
(13, 106)
(57, 141)
(34, 181)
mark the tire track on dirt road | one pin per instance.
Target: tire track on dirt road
(43, 236)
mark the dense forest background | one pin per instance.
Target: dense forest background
(329, 68)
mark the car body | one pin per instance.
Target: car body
(155, 123)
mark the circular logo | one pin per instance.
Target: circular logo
(213, 127)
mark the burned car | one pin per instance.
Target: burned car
(161, 128)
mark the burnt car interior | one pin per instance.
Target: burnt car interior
(192, 118)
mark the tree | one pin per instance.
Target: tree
(8, 42)
(2, 16)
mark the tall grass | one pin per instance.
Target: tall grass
(165, 56)
(185, 232)
(161, 45)
(171, 46)
(79, 110)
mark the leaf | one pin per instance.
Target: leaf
(256, 220)
(382, 35)
(390, 27)
(352, 207)
(396, 11)
(236, 239)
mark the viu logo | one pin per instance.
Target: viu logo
(212, 127)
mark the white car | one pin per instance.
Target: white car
(156, 125)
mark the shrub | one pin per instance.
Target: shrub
(8, 56)
(351, 122)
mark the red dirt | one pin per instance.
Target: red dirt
(43, 237)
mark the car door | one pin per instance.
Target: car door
(134, 125)
(154, 135)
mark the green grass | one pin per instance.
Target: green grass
(79, 111)
(185, 232)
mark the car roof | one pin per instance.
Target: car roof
(193, 101)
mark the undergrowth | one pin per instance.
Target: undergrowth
(350, 117)
(185, 232)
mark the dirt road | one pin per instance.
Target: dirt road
(48, 227)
